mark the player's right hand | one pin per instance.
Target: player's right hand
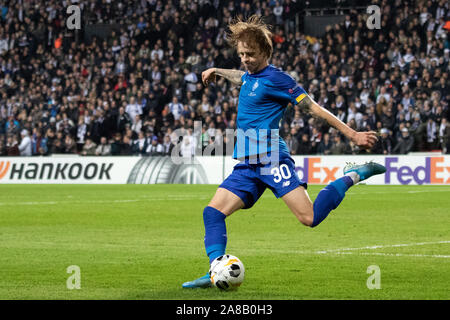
(365, 139)
(209, 76)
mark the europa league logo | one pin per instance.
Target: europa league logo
(151, 170)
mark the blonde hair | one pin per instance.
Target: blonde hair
(254, 32)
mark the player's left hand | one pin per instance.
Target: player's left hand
(365, 139)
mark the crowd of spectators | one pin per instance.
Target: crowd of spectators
(133, 92)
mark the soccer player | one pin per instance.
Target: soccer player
(265, 92)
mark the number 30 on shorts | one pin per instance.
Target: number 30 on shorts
(281, 172)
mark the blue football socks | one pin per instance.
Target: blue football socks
(215, 233)
(329, 198)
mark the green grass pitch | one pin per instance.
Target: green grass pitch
(143, 241)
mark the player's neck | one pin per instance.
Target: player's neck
(260, 67)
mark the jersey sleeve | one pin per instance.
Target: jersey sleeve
(283, 87)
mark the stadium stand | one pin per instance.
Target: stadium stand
(126, 93)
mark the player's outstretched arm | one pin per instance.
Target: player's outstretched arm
(361, 139)
(234, 76)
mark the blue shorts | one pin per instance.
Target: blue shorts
(249, 181)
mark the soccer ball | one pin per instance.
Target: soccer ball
(227, 272)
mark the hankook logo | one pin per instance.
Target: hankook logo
(55, 171)
(4, 167)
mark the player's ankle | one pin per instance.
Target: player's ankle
(354, 176)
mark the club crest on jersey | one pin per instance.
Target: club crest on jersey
(255, 85)
(291, 91)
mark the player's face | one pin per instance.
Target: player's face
(252, 59)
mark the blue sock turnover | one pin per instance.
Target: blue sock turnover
(215, 232)
(329, 198)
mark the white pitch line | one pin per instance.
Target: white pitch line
(349, 251)
(28, 203)
(401, 192)
(382, 246)
(397, 254)
(33, 203)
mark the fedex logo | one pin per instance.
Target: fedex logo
(313, 172)
(399, 170)
(432, 172)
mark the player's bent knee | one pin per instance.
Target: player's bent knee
(226, 202)
(301, 205)
(307, 220)
(306, 217)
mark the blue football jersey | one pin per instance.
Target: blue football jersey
(262, 102)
